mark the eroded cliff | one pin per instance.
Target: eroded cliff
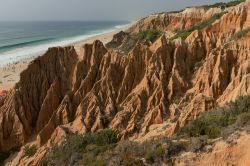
(152, 91)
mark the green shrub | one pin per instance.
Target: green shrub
(150, 34)
(197, 143)
(153, 150)
(175, 148)
(93, 143)
(243, 120)
(30, 150)
(152, 154)
(104, 137)
(212, 124)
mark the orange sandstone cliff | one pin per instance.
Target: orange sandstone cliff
(151, 91)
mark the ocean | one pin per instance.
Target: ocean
(19, 40)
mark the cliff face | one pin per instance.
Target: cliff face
(172, 21)
(151, 91)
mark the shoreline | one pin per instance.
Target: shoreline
(10, 73)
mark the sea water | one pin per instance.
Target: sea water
(19, 40)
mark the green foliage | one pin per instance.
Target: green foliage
(30, 150)
(102, 148)
(154, 152)
(175, 148)
(105, 137)
(99, 142)
(240, 33)
(121, 153)
(184, 34)
(213, 123)
(223, 4)
(150, 34)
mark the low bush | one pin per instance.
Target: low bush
(105, 137)
(99, 142)
(197, 143)
(212, 124)
(155, 152)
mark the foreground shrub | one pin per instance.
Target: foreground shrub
(94, 143)
(154, 153)
(105, 137)
(212, 124)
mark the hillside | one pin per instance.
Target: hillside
(146, 84)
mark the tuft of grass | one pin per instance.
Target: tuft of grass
(150, 34)
(184, 34)
(30, 150)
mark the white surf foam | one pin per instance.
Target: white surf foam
(34, 51)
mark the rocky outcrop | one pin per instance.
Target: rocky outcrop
(152, 90)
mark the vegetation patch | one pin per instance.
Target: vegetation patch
(150, 35)
(102, 148)
(185, 33)
(217, 123)
(89, 145)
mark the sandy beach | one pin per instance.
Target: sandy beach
(9, 75)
